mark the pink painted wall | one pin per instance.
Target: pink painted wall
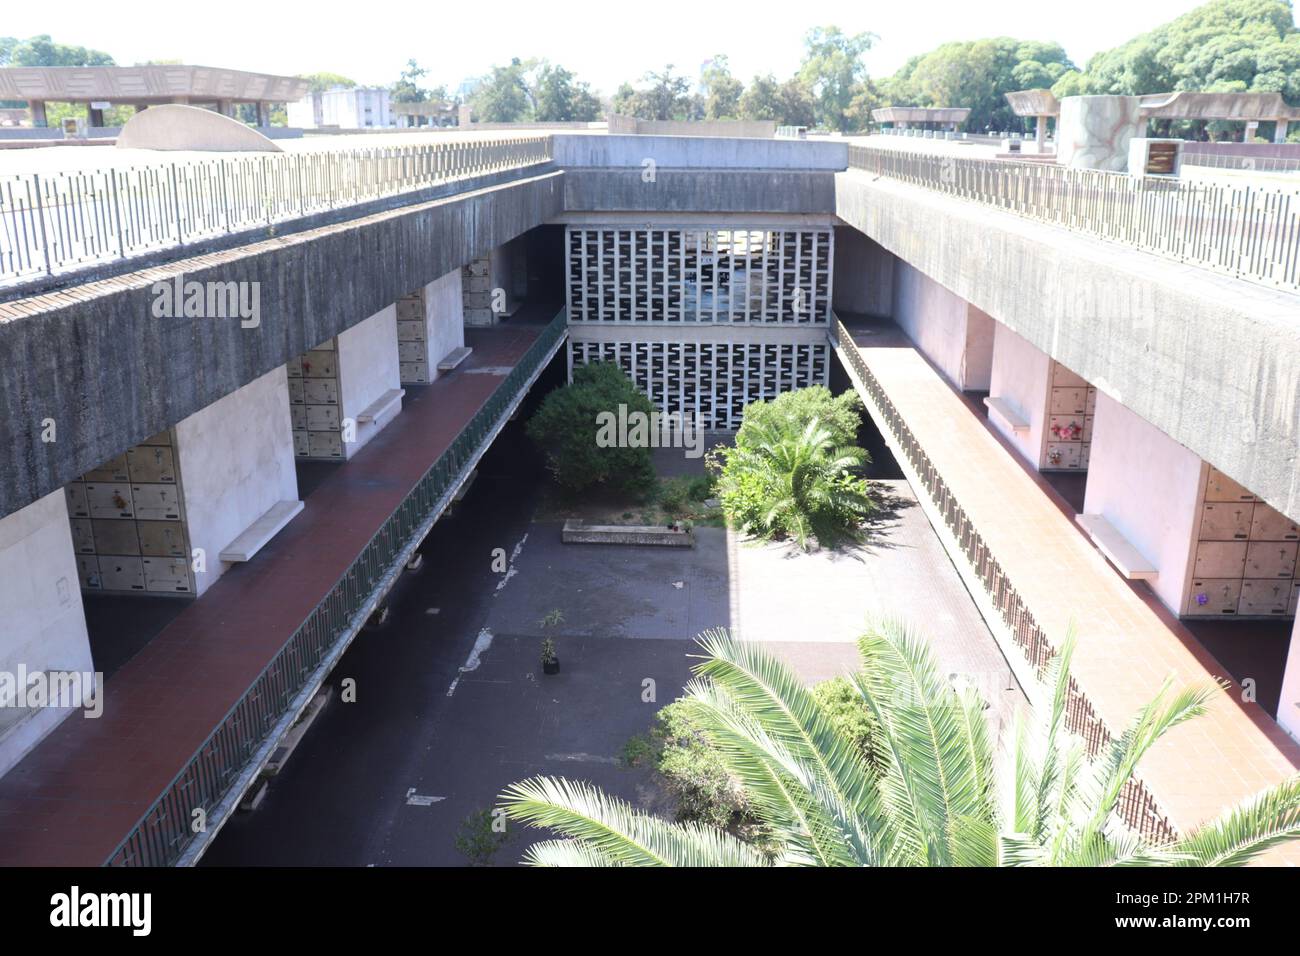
(1288, 710)
(1147, 486)
(952, 334)
(1020, 377)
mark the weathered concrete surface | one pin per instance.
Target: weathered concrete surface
(697, 152)
(1212, 361)
(96, 361)
(699, 190)
(576, 531)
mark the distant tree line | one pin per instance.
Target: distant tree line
(1224, 45)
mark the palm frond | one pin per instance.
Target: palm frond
(1248, 829)
(621, 834)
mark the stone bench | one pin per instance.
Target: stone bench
(380, 406)
(1117, 548)
(257, 534)
(454, 358)
(1004, 410)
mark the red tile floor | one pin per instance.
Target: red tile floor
(1127, 641)
(76, 795)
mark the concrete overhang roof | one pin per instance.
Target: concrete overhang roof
(921, 114)
(1034, 103)
(1218, 106)
(145, 84)
(1180, 105)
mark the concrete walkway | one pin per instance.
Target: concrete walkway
(77, 795)
(1127, 642)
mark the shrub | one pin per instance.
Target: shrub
(565, 427)
(790, 413)
(477, 840)
(691, 771)
(696, 777)
(788, 479)
(848, 714)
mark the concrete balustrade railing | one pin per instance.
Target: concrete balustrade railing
(56, 223)
(1247, 230)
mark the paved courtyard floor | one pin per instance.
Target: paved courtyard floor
(452, 705)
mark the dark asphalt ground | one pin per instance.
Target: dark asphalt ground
(342, 798)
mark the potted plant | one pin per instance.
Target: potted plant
(550, 660)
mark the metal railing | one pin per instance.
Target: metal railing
(1258, 164)
(54, 223)
(1250, 231)
(163, 832)
(1137, 807)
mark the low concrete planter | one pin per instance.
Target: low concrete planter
(577, 531)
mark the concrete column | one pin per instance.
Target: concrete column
(1093, 132)
(235, 459)
(1020, 379)
(367, 372)
(1040, 132)
(44, 625)
(225, 107)
(957, 337)
(37, 109)
(94, 117)
(1147, 486)
(492, 284)
(1252, 127)
(1279, 131)
(430, 324)
(1288, 708)
(263, 113)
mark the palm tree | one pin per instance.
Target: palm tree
(809, 489)
(930, 797)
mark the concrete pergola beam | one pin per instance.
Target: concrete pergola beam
(145, 86)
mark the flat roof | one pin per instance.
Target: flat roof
(145, 84)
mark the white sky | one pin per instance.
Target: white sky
(603, 42)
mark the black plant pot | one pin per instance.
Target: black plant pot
(551, 667)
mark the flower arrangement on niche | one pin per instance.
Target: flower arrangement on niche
(1067, 432)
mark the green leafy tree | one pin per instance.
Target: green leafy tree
(722, 91)
(566, 428)
(561, 97)
(407, 89)
(43, 51)
(1247, 45)
(977, 74)
(663, 96)
(832, 68)
(504, 95)
(931, 798)
(790, 103)
(319, 82)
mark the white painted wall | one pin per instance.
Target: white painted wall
(44, 627)
(1146, 485)
(1288, 708)
(236, 461)
(444, 316)
(951, 333)
(367, 369)
(1020, 377)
